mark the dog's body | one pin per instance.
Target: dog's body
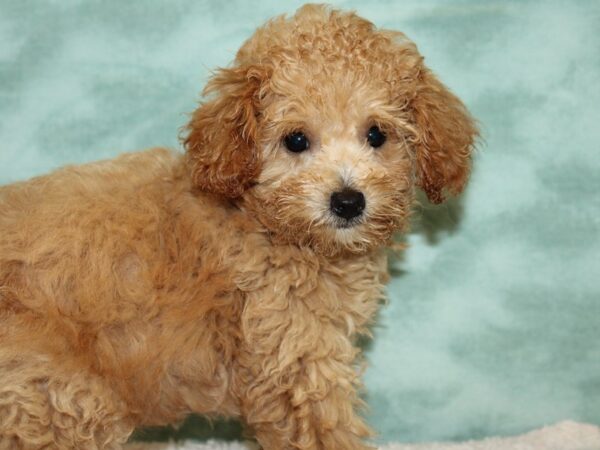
(139, 284)
(139, 290)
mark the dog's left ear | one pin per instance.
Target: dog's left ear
(446, 134)
(222, 134)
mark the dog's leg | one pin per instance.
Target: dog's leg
(296, 381)
(43, 405)
(285, 421)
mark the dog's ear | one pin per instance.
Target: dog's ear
(221, 136)
(446, 134)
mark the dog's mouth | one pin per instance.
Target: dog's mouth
(344, 224)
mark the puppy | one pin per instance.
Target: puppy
(232, 280)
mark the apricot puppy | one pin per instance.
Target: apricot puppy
(232, 280)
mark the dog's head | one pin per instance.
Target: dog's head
(322, 127)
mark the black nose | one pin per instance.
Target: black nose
(347, 203)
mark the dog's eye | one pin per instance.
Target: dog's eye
(296, 142)
(375, 137)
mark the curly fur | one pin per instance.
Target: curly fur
(138, 290)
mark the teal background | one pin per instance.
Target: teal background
(493, 323)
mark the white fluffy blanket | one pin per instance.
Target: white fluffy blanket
(562, 436)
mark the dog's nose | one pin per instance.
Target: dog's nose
(347, 203)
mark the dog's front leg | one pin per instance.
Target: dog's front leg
(296, 380)
(291, 419)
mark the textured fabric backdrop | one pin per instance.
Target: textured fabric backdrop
(493, 324)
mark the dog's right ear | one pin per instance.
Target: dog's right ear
(221, 136)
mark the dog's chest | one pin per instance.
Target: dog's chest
(288, 283)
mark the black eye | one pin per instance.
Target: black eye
(296, 142)
(375, 137)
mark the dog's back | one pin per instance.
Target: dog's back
(63, 232)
